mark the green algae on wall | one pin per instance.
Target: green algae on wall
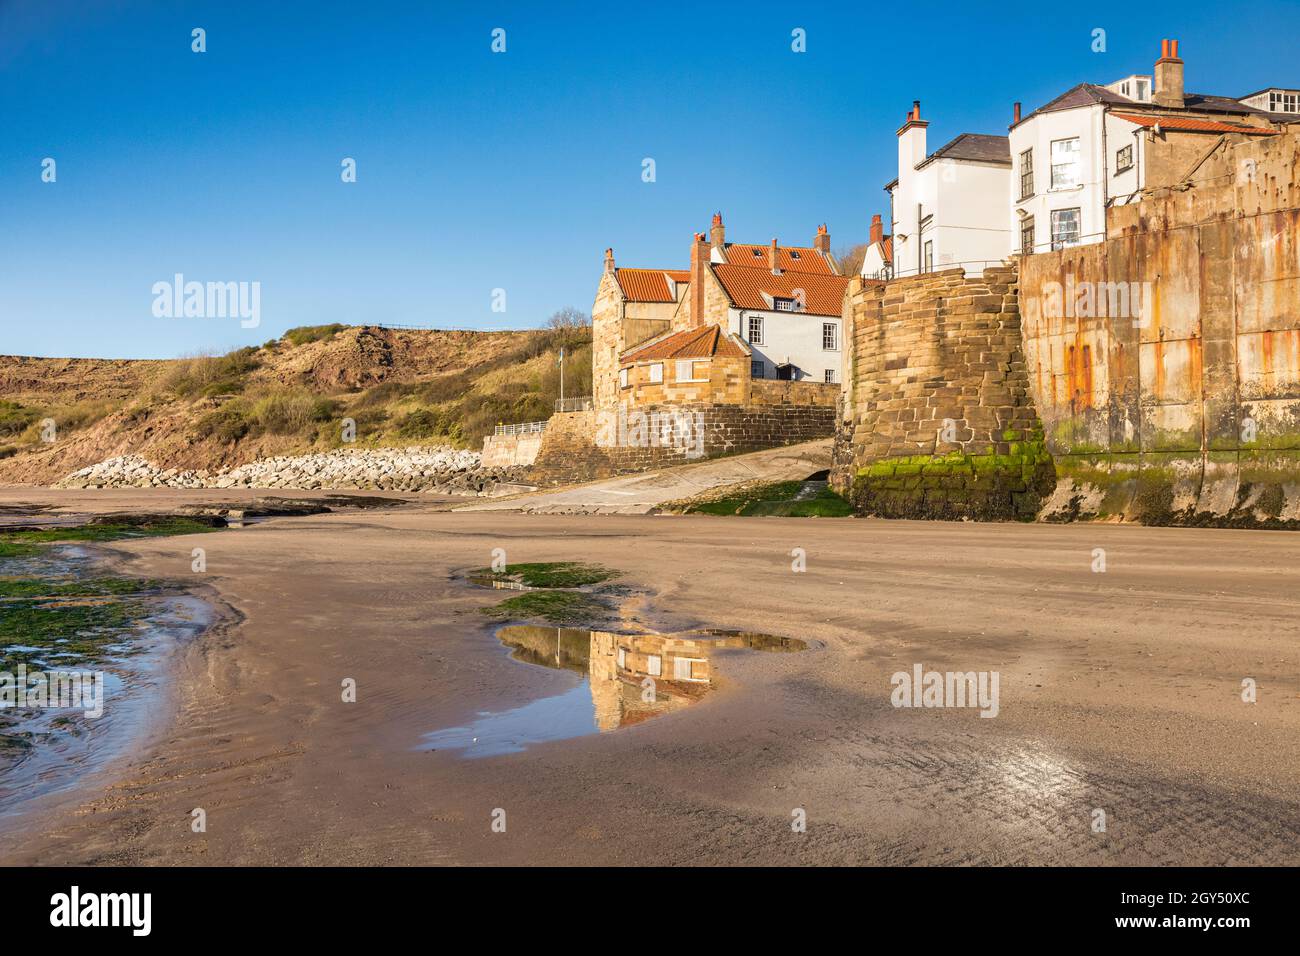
(993, 487)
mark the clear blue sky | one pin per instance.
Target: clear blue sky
(478, 170)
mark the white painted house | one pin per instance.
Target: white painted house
(878, 261)
(787, 307)
(948, 207)
(1094, 147)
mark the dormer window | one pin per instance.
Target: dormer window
(1283, 101)
(758, 253)
(793, 254)
(785, 305)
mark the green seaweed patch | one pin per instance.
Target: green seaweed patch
(564, 608)
(14, 587)
(551, 574)
(775, 499)
(108, 530)
(80, 630)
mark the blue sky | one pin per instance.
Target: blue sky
(478, 171)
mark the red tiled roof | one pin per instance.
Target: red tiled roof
(822, 294)
(649, 285)
(703, 342)
(887, 248)
(788, 258)
(1193, 125)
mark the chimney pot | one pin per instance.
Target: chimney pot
(717, 234)
(822, 241)
(609, 260)
(877, 229)
(772, 259)
(1015, 112)
(1168, 77)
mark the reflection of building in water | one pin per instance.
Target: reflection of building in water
(638, 676)
(634, 676)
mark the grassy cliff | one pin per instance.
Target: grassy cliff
(290, 395)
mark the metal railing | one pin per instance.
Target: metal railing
(521, 428)
(580, 404)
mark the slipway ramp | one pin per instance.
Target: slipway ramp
(643, 493)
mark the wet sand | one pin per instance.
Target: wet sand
(1118, 691)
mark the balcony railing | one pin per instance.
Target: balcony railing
(521, 428)
(580, 404)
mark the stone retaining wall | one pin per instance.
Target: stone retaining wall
(937, 419)
(585, 446)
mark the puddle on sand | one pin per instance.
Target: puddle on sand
(622, 679)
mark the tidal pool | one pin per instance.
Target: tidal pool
(619, 680)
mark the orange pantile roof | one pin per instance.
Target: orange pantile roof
(705, 341)
(649, 285)
(822, 294)
(788, 258)
(1188, 124)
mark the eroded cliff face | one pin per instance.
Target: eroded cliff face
(106, 408)
(1165, 361)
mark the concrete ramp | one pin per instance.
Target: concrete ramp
(643, 493)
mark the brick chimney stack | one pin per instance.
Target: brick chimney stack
(717, 235)
(772, 259)
(609, 260)
(1168, 77)
(877, 229)
(1015, 112)
(822, 241)
(699, 263)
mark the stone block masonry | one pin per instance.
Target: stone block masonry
(937, 419)
(586, 446)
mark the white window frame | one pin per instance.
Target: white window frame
(755, 322)
(622, 378)
(688, 365)
(654, 665)
(656, 373)
(830, 376)
(1121, 152)
(831, 330)
(1076, 164)
(1058, 243)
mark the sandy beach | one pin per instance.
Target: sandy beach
(1120, 691)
